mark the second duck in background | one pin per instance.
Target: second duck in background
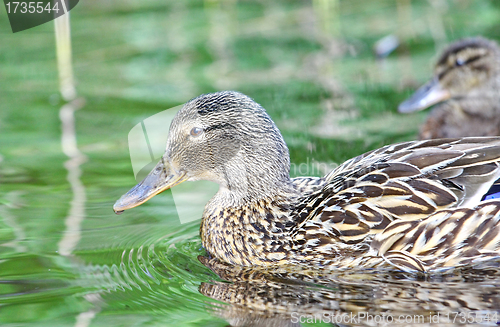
(467, 78)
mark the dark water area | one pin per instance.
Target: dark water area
(67, 260)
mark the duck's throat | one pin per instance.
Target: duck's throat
(250, 176)
(257, 233)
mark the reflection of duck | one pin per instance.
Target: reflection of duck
(468, 74)
(286, 298)
(406, 203)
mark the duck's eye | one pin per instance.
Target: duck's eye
(196, 131)
(459, 62)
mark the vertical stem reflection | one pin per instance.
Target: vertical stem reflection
(76, 214)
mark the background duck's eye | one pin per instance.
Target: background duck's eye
(459, 62)
(196, 131)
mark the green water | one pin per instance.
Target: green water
(66, 259)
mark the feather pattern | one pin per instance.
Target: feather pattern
(416, 199)
(416, 206)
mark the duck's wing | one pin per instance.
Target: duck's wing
(308, 185)
(448, 238)
(407, 181)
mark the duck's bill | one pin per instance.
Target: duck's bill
(161, 178)
(427, 95)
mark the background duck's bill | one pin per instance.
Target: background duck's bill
(426, 96)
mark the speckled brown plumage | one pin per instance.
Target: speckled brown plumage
(415, 205)
(467, 79)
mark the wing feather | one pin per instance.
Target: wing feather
(391, 191)
(448, 238)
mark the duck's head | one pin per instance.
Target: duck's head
(466, 68)
(224, 137)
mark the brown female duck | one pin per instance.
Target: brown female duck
(415, 205)
(467, 78)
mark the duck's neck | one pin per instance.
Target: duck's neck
(256, 232)
(247, 221)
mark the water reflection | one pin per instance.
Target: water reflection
(76, 214)
(287, 297)
(12, 201)
(85, 318)
(72, 234)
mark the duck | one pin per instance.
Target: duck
(418, 206)
(466, 87)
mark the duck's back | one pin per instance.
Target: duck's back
(403, 182)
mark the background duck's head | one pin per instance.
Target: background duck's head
(224, 137)
(467, 68)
